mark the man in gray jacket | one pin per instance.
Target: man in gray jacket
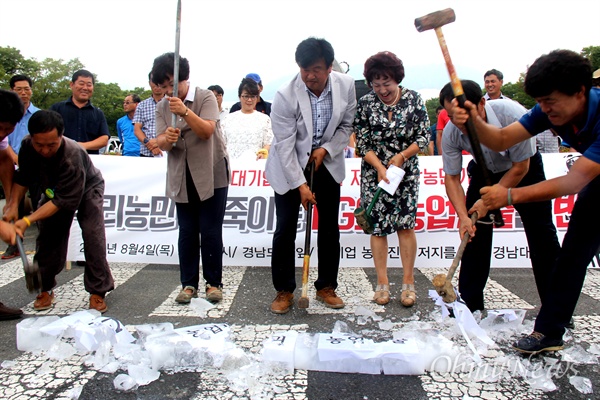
(312, 122)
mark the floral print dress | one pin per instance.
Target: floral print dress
(374, 132)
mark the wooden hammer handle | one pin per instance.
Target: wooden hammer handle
(460, 251)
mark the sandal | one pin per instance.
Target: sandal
(408, 296)
(382, 295)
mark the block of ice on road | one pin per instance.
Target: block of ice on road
(578, 355)
(305, 352)
(335, 346)
(211, 336)
(142, 374)
(400, 357)
(60, 350)
(124, 382)
(201, 306)
(279, 349)
(584, 385)
(58, 327)
(31, 338)
(367, 313)
(147, 330)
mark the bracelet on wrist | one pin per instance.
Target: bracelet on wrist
(509, 197)
(27, 221)
(403, 157)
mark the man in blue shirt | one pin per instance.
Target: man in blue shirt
(561, 83)
(21, 85)
(130, 146)
(84, 122)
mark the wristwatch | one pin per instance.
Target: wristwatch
(146, 140)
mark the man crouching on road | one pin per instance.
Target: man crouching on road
(59, 172)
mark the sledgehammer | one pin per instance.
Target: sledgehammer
(33, 277)
(435, 21)
(443, 283)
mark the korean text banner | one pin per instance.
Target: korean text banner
(141, 222)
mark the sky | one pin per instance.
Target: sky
(225, 39)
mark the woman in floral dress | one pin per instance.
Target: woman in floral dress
(391, 127)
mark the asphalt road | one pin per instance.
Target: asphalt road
(145, 293)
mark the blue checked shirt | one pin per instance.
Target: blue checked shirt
(145, 114)
(322, 109)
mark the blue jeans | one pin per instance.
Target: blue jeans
(201, 232)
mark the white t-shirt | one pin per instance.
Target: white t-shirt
(245, 134)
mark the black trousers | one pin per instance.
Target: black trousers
(579, 246)
(539, 230)
(287, 210)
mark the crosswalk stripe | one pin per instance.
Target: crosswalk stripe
(12, 271)
(591, 286)
(353, 288)
(232, 278)
(71, 296)
(495, 295)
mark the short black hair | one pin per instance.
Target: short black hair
(11, 107)
(471, 89)
(164, 66)
(85, 73)
(19, 78)
(494, 71)
(250, 86)
(135, 97)
(216, 88)
(313, 49)
(44, 121)
(560, 70)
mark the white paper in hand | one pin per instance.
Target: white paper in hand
(394, 175)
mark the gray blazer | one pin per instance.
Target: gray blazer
(291, 119)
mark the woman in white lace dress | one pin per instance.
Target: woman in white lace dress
(248, 132)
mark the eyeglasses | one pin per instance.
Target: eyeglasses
(22, 89)
(128, 102)
(248, 97)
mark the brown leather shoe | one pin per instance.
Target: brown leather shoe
(329, 298)
(43, 301)
(282, 303)
(97, 303)
(7, 313)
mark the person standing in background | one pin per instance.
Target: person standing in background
(22, 86)
(84, 123)
(144, 122)
(248, 132)
(219, 92)
(129, 143)
(262, 105)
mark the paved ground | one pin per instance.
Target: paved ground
(145, 293)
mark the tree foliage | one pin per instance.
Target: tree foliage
(592, 53)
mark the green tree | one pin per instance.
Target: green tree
(432, 105)
(12, 63)
(516, 91)
(592, 53)
(51, 83)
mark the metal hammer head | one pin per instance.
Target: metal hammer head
(435, 20)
